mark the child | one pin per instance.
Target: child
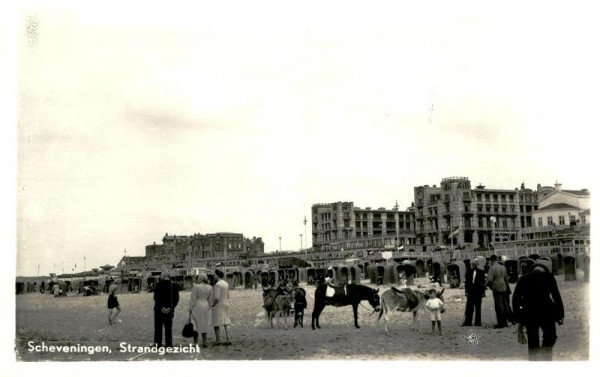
(435, 307)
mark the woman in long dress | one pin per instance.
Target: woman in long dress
(220, 307)
(200, 307)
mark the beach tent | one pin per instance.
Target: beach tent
(439, 272)
(408, 270)
(249, 279)
(512, 270)
(354, 275)
(456, 274)
(421, 271)
(390, 275)
(570, 268)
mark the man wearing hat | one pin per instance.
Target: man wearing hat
(474, 289)
(166, 298)
(497, 280)
(537, 305)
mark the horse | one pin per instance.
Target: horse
(405, 300)
(299, 306)
(348, 294)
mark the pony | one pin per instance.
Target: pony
(299, 306)
(405, 300)
(348, 294)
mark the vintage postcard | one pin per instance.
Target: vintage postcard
(249, 182)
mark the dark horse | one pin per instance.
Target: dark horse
(350, 294)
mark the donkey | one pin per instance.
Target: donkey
(404, 300)
(280, 309)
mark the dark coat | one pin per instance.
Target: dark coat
(478, 288)
(536, 297)
(166, 295)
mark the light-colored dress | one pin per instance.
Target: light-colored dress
(200, 302)
(220, 312)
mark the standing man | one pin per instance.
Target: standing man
(497, 280)
(220, 307)
(474, 289)
(537, 304)
(166, 298)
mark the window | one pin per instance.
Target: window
(561, 220)
(550, 221)
(583, 219)
(540, 221)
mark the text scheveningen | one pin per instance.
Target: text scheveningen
(77, 348)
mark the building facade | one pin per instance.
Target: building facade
(342, 226)
(464, 217)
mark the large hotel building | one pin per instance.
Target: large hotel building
(453, 215)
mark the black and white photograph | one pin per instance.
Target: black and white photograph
(313, 186)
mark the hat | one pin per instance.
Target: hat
(494, 257)
(545, 264)
(202, 277)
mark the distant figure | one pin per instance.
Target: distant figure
(474, 290)
(497, 281)
(200, 303)
(537, 304)
(435, 306)
(113, 302)
(166, 298)
(220, 307)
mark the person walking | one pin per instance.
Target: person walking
(537, 304)
(474, 290)
(200, 303)
(220, 307)
(497, 281)
(113, 301)
(166, 298)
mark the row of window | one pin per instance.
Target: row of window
(561, 220)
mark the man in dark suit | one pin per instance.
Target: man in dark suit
(166, 298)
(537, 304)
(474, 289)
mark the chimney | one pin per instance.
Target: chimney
(557, 186)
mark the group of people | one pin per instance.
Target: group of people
(536, 303)
(208, 306)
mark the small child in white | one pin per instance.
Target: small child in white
(436, 308)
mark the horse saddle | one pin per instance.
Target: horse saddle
(335, 289)
(412, 300)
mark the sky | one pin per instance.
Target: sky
(227, 116)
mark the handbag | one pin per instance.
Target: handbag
(188, 329)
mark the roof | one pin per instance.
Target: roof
(583, 192)
(558, 206)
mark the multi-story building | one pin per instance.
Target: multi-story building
(457, 215)
(225, 246)
(342, 226)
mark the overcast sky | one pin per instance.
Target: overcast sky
(137, 121)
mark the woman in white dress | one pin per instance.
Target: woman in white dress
(220, 307)
(200, 307)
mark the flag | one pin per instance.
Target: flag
(454, 232)
(401, 248)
